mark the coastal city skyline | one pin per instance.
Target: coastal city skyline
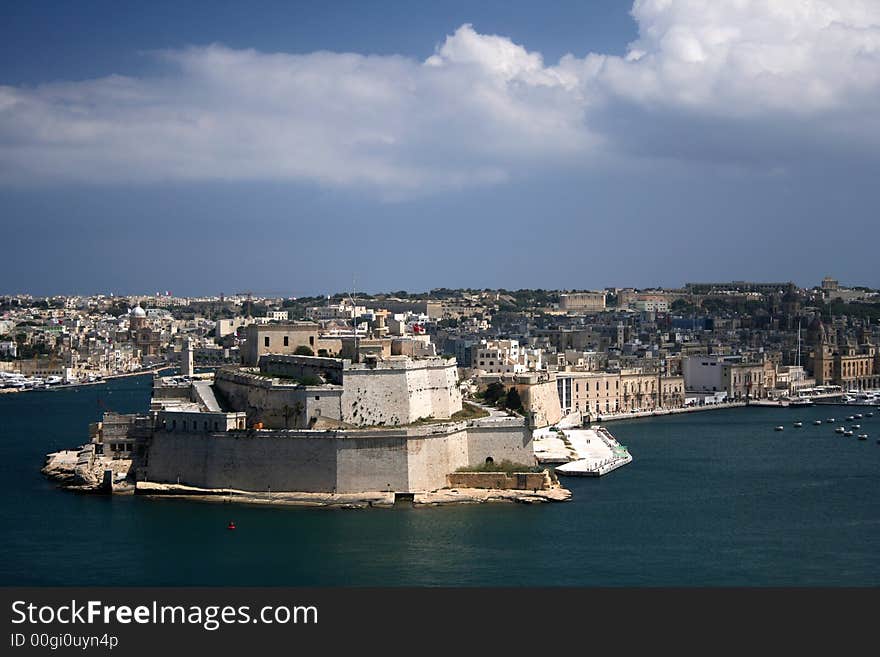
(306, 303)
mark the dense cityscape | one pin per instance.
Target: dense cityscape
(604, 352)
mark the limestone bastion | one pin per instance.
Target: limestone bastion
(315, 425)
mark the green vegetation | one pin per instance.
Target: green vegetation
(303, 350)
(469, 412)
(865, 311)
(505, 466)
(497, 395)
(493, 393)
(512, 401)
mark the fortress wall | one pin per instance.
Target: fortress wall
(420, 394)
(265, 403)
(298, 367)
(371, 464)
(401, 460)
(500, 441)
(376, 397)
(400, 392)
(542, 401)
(234, 460)
(430, 459)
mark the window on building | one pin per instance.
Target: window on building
(266, 341)
(312, 340)
(286, 341)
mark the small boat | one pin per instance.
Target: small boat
(848, 433)
(798, 425)
(858, 416)
(779, 428)
(830, 420)
(817, 423)
(839, 430)
(869, 415)
(850, 418)
(231, 525)
(863, 436)
(856, 426)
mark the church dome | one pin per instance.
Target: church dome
(137, 311)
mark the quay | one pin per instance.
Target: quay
(581, 452)
(669, 411)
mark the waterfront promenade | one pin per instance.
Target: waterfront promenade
(666, 411)
(589, 452)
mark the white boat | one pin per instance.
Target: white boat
(830, 420)
(779, 428)
(848, 433)
(817, 422)
(798, 425)
(863, 397)
(840, 430)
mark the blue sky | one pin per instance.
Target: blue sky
(288, 148)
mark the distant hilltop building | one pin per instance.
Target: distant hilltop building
(736, 286)
(829, 284)
(581, 302)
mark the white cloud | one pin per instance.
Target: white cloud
(727, 80)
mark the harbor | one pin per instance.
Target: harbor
(673, 517)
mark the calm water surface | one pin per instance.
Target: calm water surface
(715, 498)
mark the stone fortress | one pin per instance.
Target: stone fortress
(313, 424)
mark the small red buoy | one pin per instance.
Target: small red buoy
(231, 525)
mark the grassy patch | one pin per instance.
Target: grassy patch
(507, 467)
(470, 412)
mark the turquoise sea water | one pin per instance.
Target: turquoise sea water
(714, 498)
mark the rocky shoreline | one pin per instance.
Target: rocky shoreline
(82, 471)
(376, 499)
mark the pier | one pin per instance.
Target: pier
(589, 452)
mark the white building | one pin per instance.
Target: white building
(703, 373)
(651, 305)
(505, 357)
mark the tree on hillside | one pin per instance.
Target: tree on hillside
(494, 392)
(512, 401)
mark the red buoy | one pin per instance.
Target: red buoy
(231, 525)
